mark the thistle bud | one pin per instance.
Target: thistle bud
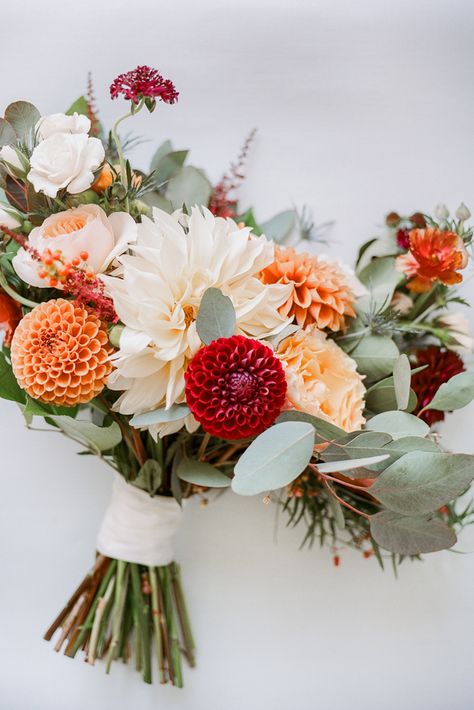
(462, 213)
(418, 220)
(392, 219)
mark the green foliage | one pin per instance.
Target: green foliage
(279, 227)
(169, 166)
(23, 117)
(79, 106)
(41, 409)
(402, 380)
(408, 535)
(398, 424)
(9, 387)
(421, 482)
(324, 430)
(216, 317)
(454, 394)
(160, 416)
(150, 477)
(97, 439)
(375, 356)
(7, 134)
(201, 474)
(189, 187)
(381, 278)
(274, 459)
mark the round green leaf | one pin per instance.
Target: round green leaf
(398, 424)
(406, 535)
(201, 474)
(274, 459)
(455, 393)
(160, 416)
(96, 438)
(216, 316)
(375, 356)
(402, 379)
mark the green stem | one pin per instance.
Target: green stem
(155, 612)
(175, 653)
(16, 296)
(119, 606)
(118, 143)
(143, 614)
(183, 614)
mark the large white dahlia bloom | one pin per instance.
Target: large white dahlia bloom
(157, 296)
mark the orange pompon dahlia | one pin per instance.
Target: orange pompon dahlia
(434, 255)
(60, 353)
(321, 293)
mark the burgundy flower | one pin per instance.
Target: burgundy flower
(10, 315)
(143, 82)
(235, 387)
(403, 238)
(442, 365)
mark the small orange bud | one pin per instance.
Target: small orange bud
(75, 261)
(47, 260)
(103, 180)
(368, 553)
(84, 255)
(53, 282)
(336, 560)
(42, 274)
(90, 274)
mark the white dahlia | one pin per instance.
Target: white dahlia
(157, 296)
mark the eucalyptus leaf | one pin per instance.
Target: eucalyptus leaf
(165, 148)
(149, 477)
(421, 482)
(7, 134)
(201, 474)
(412, 443)
(375, 356)
(79, 106)
(216, 316)
(398, 424)
(9, 387)
(23, 117)
(169, 165)
(324, 430)
(381, 278)
(96, 438)
(160, 416)
(406, 535)
(348, 464)
(336, 507)
(383, 398)
(41, 409)
(275, 340)
(190, 187)
(279, 227)
(454, 394)
(274, 459)
(402, 379)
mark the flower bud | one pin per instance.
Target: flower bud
(392, 219)
(418, 220)
(462, 213)
(441, 212)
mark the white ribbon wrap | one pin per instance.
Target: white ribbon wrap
(138, 528)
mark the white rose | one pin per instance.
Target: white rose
(9, 218)
(65, 160)
(60, 123)
(458, 326)
(9, 155)
(85, 228)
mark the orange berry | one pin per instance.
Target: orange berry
(53, 282)
(47, 260)
(90, 274)
(337, 560)
(75, 261)
(84, 255)
(42, 274)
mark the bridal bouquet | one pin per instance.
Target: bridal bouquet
(190, 347)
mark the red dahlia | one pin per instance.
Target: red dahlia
(442, 365)
(235, 387)
(141, 82)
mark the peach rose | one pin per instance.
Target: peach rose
(322, 379)
(82, 229)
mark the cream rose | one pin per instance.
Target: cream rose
(11, 159)
(60, 123)
(85, 228)
(65, 160)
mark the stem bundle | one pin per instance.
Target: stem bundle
(122, 605)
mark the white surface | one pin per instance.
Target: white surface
(362, 108)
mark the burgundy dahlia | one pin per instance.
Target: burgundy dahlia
(442, 365)
(403, 238)
(142, 82)
(235, 387)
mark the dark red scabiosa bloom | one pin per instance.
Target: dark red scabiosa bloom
(235, 387)
(143, 82)
(403, 238)
(442, 365)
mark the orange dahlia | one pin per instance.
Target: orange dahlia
(60, 353)
(434, 255)
(320, 294)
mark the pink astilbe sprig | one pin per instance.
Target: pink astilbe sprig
(222, 203)
(22, 241)
(143, 82)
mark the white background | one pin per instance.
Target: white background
(361, 108)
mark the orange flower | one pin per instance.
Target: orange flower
(10, 316)
(60, 353)
(103, 180)
(321, 293)
(434, 255)
(322, 379)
